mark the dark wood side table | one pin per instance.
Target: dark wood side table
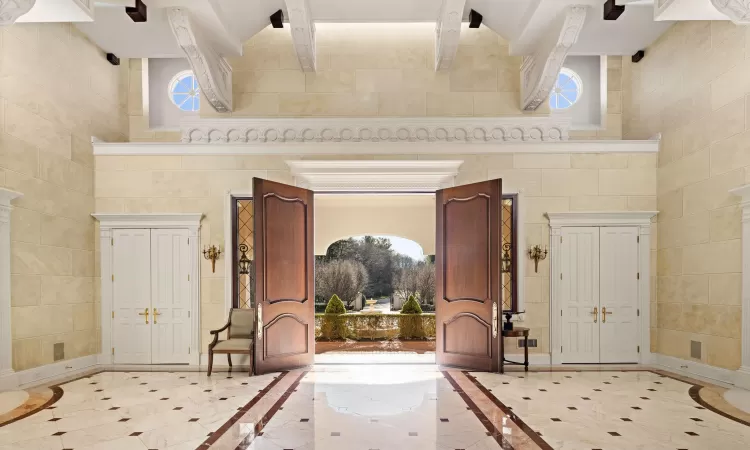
(515, 332)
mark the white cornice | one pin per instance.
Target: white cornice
(417, 130)
(108, 221)
(369, 148)
(377, 176)
(600, 218)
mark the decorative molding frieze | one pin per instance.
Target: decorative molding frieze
(108, 221)
(374, 176)
(744, 193)
(11, 10)
(448, 33)
(540, 69)
(303, 33)
(413, 130)
(738, 11)
(601, 218)
(213, 72)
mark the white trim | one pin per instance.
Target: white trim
(703, 371)
(56, 371)
(357, 130)
(229, 253)
(744, 192)
(641, 219)
(378, 176)
(368, 148)
(109, 222)
(7, 377)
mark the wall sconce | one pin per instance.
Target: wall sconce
(212, 253)
(244, 262)
(537, 254)
(506, 263)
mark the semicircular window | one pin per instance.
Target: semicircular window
(184, 91)
(567, 90)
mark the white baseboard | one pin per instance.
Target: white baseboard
(8, 380)
(58, 370)
(535, 359)
(703, 371)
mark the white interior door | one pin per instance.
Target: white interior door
(580, 294)
(170, 296)
(619, 329)
(131, 271)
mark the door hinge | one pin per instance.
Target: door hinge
(561, 275)
(638, 239)
(188, 241)
(638, 312)
(639, 349)
(112, 241)
(113, 350)
(638, 276)
(561, 313)
(561, 239)
(188, 277)
(113, 277)
(561, 349)
(113, 314)
(188, 350)
(188, 313)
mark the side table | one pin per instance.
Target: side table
(516, 332)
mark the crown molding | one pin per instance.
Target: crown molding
(600, 218)
(539, 71)
(108, 221)
(374, 176)
(213, 72)
(448, 33)
(11, 10)
(475, 130)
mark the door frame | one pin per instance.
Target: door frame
(109, 222)
(640, 219)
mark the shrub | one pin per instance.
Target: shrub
(335, 305)
(411, 306)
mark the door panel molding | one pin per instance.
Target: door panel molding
(640, 219)
(468, 277)
(302, 331)
(153, 221)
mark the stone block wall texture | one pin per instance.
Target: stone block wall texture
(549, 182)
(373, 70)
(693, 88)
(56, 91)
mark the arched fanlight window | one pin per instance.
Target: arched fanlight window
(184, 91)
(567, 90)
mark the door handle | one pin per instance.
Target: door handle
(156, 313)
(144, 313)
(595, 312)
(604, 314)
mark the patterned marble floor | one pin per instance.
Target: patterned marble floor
(383, 407)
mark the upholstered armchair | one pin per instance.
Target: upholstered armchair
(240, 331)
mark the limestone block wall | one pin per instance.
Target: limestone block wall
(693, 87)
(561, 182)
(56, 91)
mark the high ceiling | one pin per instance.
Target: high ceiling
(229, 23)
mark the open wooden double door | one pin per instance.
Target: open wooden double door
(467, 262)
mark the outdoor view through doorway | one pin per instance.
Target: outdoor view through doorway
(373, 272)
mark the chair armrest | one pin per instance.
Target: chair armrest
(216, 335)
(220, 329)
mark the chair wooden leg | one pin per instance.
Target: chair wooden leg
(210, 361)
(229, 359)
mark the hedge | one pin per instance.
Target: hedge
(332, 327)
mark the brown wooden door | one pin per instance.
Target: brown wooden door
(284, 284)
(467, 261)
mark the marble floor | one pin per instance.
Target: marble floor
(383, 407)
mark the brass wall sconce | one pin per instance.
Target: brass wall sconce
(212, 253)
(537, 254)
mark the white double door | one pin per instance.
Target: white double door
(151, 321)
(599, 301)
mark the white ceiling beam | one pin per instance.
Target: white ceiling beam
(738, 11)
(11, 10)
(213, 72)
(540, 70)
(448, 33)
(303, 33)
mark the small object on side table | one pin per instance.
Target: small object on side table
(508, 325)
(516, 332)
